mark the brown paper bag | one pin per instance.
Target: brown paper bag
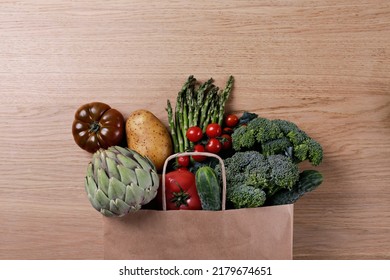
(253, 233)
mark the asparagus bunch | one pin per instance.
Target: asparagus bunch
(196, 105)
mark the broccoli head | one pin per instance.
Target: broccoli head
(244, 138)
(310, 150)
(284, 173)
(252, 169)
(271, 137)
(286, 126)
(276, 146)
(264, 129)
(244, 196)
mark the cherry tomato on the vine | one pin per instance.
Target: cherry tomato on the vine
(213, 130)
(226, 141)
(183, 161)
(199, 148)
(231, 120)
(194, 134)
(213, 146)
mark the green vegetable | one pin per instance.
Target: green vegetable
(196, 105)
(272, 137)
(208, 187)
(244, 196)
(250, 169)
(309, 180)
(120, 180)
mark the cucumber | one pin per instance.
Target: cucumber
(208, 187)
(309, 180)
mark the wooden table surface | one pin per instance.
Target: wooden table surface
(322, 64)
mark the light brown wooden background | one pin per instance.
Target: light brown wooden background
(322, 64)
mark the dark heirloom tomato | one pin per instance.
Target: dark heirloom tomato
(97, 125)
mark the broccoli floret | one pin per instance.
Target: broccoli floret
(300, 151)
(297, 136)
(315, 152)
(277, 146)
(252, 169)
(257, 171)
(286, 126)
(309, 150)
(264, 129)
(243, 138)
(272, 137)
(284, 173)
(244, 196)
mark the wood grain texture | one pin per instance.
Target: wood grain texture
(322, 64)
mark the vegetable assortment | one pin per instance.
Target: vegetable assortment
(260, 155)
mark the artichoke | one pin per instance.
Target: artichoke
(120, 180)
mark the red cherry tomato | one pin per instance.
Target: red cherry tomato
(213, 146)
(213, 130)
(183, 161)
(231, 120)
(194, 134)
(227, 130)
(226, 141)
(199, 148)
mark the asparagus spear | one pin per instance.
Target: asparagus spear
(205, 87)
(172, 126)
(224, 97)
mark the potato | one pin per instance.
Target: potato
(147, 135)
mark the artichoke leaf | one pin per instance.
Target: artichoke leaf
(94, 203)
(112, 168)
(128, 162)
(134, 195)
(127, 175)
(123, 151)
(90, 170)
(110, 154)
(116, 189)
(149, 194)
(135, 208)
(101, 160)
(114, 208)
(107, 213)
(144, 178)
(144, 162)
(103, 180)
(101, 199)
(122, 206)
(155, 179)
(90, 186)
(96, 165)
